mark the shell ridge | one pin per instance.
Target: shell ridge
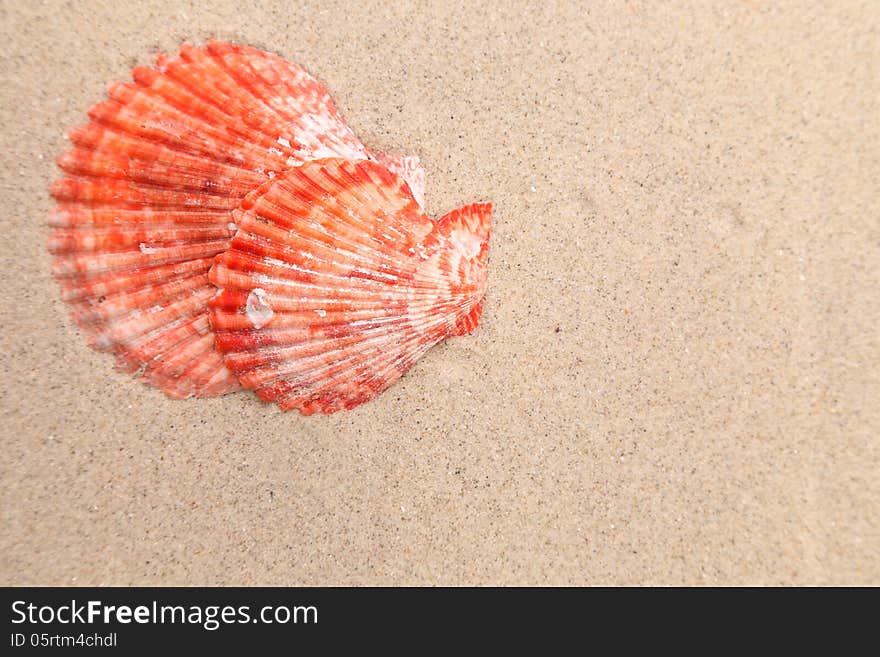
(310, 383)
(107, 283)
(149, 321)
(127, 118)
(358, 384)
(270, 223)
(114, 305)
(238, 102)
(344, 253)
(186, 173)
(143, 349)
(252, 84)
(189, 98)
(103, 135)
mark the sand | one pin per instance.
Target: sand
(676, 376)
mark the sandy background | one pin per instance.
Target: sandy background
(676, 377)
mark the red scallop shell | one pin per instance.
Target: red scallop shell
(148, 187)
(337, 282)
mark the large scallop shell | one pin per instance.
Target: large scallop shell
(337, 282)
(144, 205)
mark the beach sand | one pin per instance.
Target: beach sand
(676, 376)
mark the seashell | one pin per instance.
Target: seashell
(145, 202)
(337, 282)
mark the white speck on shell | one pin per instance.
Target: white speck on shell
(146, 249)
(466, 243)
(284, 142)
(257, 308)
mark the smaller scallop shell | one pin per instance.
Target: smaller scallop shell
(144, 205)
(337, 282)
